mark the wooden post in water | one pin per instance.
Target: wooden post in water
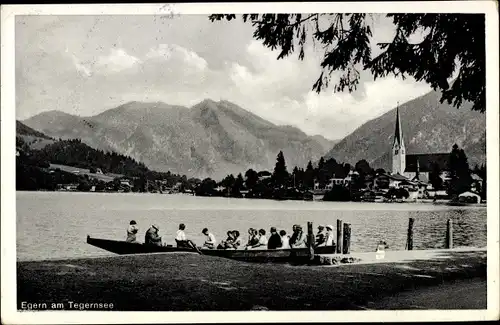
(449, 234)
(310, 239)
(339, 236)
(409, 238)
(347, 239)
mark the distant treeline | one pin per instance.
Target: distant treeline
(299, 184)
(33, 174)
(32, 166)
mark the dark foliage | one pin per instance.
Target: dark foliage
(207, 188)
(435, 178)
(280, 174)
(459, 172)
(338, 193)
(77, 154)
(251, 178)
(397, 193)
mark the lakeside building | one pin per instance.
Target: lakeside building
(411, 171)
(67, 187)
(338, 179)
(414, 167)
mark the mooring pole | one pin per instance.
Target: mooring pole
(449, 234)
(409, 238)
(339, 236)
(310, 239)
(347, 239)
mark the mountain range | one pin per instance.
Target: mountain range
(428, 127)
(213, 139)
(209, 139)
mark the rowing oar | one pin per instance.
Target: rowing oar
(194, 247)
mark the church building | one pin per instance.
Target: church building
(415, 167)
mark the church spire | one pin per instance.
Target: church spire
(398, 135)
(398, 148)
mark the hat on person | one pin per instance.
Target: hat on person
(156, 227)
(273, 229)
(321, 227)
(133, 222)
(329, 227)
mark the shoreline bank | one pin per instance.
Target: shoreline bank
(201, 283)
(439, 202)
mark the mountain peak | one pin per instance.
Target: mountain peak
(54, 112)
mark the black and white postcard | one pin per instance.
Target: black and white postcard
(263, 162)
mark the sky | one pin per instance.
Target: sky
(84, 65)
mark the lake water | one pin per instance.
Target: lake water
(53, 225)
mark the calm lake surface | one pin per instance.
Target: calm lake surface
(53, 225)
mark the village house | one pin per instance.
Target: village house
(262, 175)
(125, 185)
(341, 179)
(67, 187)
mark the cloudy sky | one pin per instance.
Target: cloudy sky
(86, 64)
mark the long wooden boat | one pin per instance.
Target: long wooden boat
(125, 248)
(253, 255)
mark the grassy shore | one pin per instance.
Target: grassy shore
(185, 282)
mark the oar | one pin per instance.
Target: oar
(195, 248)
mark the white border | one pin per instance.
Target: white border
(8, 198)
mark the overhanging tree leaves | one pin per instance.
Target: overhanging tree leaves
(449, 42)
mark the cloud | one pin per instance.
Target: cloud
(174, 52)
(182, 62)
(81, 68)
(117, 60)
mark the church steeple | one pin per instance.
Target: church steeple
(398, 134)
(398, 148)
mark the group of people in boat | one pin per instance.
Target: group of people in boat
(257, 239)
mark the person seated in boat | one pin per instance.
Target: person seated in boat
(236, 242)
(329, 236)
(285, 240)
(132, 232)
(250, 237)
(320, 237)
(300, 239)
(381, 246)
(209, 240)
(274, 239)
(253, 239)
(294, 235)
(228, 242)
(181, 240)
(262, 243)
(152, 236)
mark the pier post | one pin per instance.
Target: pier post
(339, 236)
(449, 234)
(409, 238)
(310, 239)
(347, 239)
